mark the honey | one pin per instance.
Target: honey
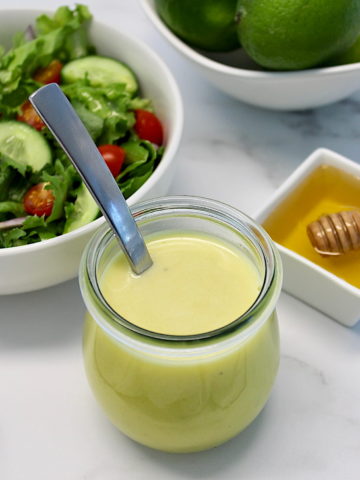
(325, 191)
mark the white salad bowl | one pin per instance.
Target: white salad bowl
(235, 74)
(39, 265)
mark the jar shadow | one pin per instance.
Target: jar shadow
(41, 319)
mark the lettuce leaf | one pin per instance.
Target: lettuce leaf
(12, 182)
(16, 208)
(77, 43)
(12, 238)
(57, 38)
(140, 162)
(59, 183)
(105, 111)
(33, 230)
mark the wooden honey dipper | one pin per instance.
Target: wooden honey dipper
(335, 234)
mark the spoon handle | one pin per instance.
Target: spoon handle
(62, 120)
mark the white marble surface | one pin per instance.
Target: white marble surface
(50, 426)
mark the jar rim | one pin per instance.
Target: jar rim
(229, 216)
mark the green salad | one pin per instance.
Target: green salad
(41, 194)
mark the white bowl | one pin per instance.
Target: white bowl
(236, 75)
(39, 265)
(303, 278)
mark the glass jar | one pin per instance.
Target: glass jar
(183, 393)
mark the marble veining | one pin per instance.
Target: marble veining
(319, 374)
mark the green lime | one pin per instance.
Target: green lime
(350, 55)
(296, 34)
(206, 24)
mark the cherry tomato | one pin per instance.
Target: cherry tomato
(148, 127)
(49, 74)
(39, 201)
(114, 157)
(30, 116)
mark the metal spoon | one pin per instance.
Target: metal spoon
(62, 120)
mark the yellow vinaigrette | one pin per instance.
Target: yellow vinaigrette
(195, 285)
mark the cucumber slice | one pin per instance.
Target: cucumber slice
(85, 210)
(100, 71)
(24, 145)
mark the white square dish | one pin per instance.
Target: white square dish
(302, 278)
